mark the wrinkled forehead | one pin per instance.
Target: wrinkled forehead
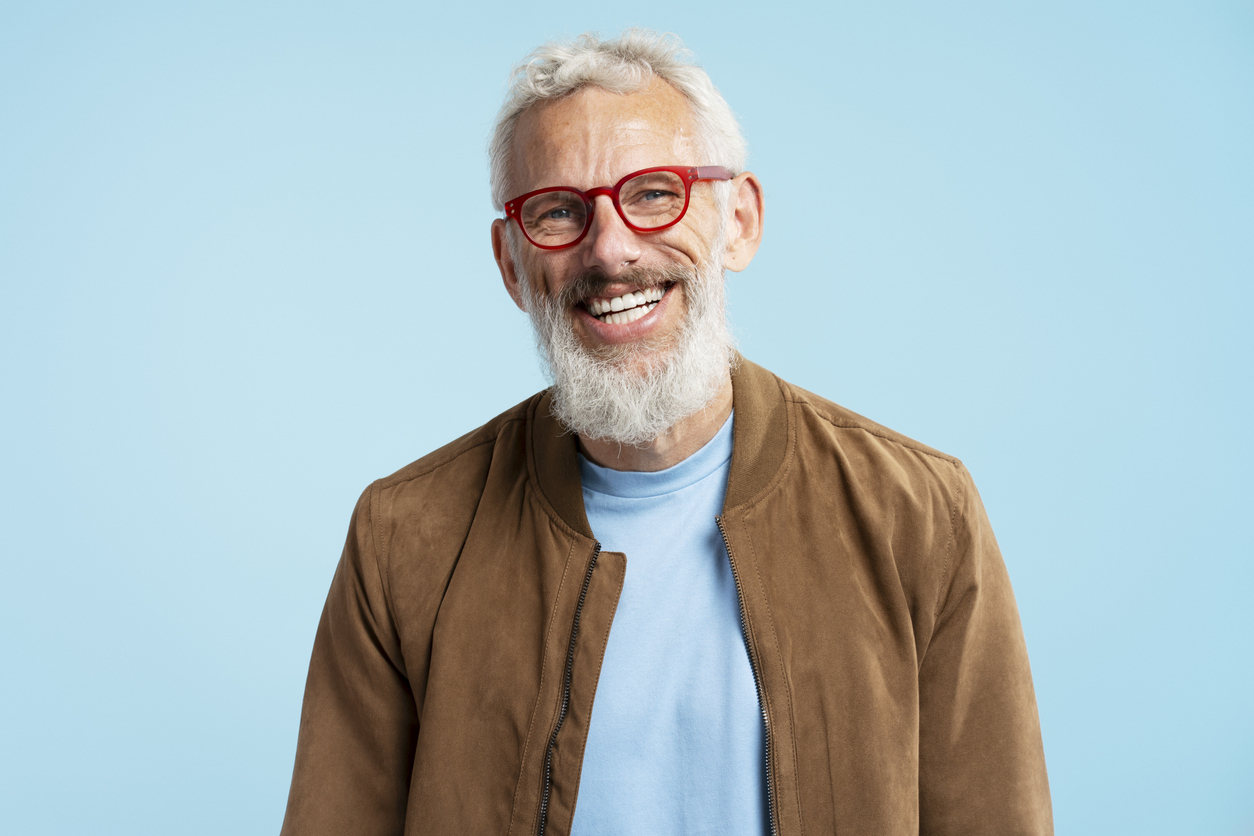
(594, 136)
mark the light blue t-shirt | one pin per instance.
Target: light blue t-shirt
(676, 743)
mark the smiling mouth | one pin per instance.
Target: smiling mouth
(620, 310)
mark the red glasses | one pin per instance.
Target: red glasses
(648, 200)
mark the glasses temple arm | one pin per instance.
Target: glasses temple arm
(714, 172)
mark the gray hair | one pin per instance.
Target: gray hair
(625, 65)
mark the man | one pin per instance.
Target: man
(672, 587)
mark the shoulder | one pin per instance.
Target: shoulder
(827, 428)
(881, 470)
(471, 452)
(839, 423)
(437, 495)
(920, 502)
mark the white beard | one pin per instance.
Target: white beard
(633, 394)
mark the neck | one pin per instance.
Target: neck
(668, 449)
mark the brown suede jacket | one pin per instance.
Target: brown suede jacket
(457, 658)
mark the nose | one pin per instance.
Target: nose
(610, 244)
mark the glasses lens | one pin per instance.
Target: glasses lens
(554, 218)
(653, 199)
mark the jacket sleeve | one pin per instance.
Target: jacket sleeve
(358, 724)
(981, 761)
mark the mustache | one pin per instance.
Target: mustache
(594, 282)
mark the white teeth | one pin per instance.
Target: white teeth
(635, 313)
(626, 308)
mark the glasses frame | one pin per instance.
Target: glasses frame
(689, 174)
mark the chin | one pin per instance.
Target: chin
(641, 357)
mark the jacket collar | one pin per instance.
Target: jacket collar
(759, 441)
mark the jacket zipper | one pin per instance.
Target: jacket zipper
(757, 680)
(547, 789)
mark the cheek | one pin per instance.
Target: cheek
(694, 238)
(545, 274)
(689, 248)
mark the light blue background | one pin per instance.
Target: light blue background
(245, 270)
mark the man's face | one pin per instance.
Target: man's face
(593, 138)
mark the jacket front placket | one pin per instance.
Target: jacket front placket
(760, 416)
(583, 616)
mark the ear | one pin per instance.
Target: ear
(505, 262)
(744, 226)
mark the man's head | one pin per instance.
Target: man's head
(631, 322)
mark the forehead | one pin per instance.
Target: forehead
(593, 137)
